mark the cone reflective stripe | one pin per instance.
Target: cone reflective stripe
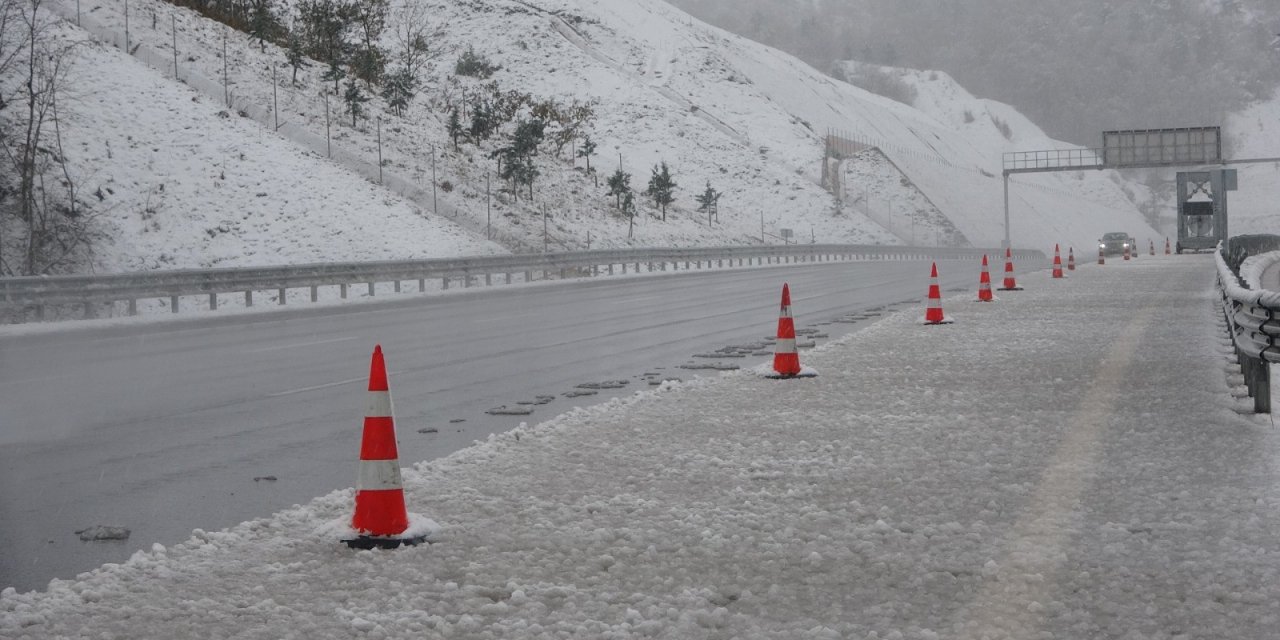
(1010, 283)
(933, 315)
(1102, 258)
(380, 507)
(786, 361)
(984, 283)
(1057, 262)
(1167, 249)
(1071, 259)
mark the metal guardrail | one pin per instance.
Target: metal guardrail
(1252, 316)
(38, 292)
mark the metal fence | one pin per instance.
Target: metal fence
(23, 294)
(1252, 316)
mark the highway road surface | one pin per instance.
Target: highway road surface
(164, 427)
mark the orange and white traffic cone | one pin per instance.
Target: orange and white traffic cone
(1010, 283)
(1071, 259)
(786, 360)
(984, 283)
(380, 518)
(1126, 252)
(934, 315)
(1057, 262)
(1102, 257)
(1167, 249)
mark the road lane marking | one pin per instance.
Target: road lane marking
(1035, 552)
(315, 388)
(304, 344)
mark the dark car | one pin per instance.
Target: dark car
(1115, 242)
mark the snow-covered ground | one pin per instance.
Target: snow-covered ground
(664, 87)
(1052, 465)
(1253, 133)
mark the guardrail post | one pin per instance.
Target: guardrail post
(173, 303)
(528, 276)
(213, 301)
(466, 281)
(371, 291)
(624, 266)
(133, 306)
(1262, 387)
(422, 285)
(397, 286)
(488, 280)
(315, 293)
(39, 312)
(445, 280)
(342, 288)
(508, 277)
(283, 296)
(248, 298)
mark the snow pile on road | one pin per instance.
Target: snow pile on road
(1049, 466)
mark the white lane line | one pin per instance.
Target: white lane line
(315, 388)
(304, 344)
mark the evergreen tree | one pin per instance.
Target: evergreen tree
(455, 126)
(708, 201)
(264, 25)
(355, 100)
(619, 184)
(662, 188)
(335, 73)
(529, 134)
(323, 27)
(368, 64)
(398, 88)
(588, 148)
(481, 122)
(295, 55)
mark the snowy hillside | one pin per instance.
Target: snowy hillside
(1255, 133)
(746, 119)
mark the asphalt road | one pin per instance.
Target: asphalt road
(165, 427)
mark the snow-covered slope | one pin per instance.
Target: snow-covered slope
(747, 119)
(178, 182)
(1255, 133)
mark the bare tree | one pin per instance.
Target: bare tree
(49, 231)
(414, 35)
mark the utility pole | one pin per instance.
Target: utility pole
(173, 18)
(545, 241)
(328, 150)
(435, 207)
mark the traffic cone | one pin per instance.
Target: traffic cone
(1126, 253)
(786, 361)
(1153, 246)
(1102, 257)
(380, 518)
(1010, 283)
(933, 315)
(984, 283)
(1071, 259)
(1057, 262)
(1167, 249)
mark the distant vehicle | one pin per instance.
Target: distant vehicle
(1115, 242)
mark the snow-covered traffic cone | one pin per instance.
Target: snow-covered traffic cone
(1010, 283)
(1057, 262)
(1167, 249)
(984, 283)
(786, 360)
(1126, 252)
(1153, 246)
(1071, 259)
(380, 518)
(933, 315)
(1102, 257)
